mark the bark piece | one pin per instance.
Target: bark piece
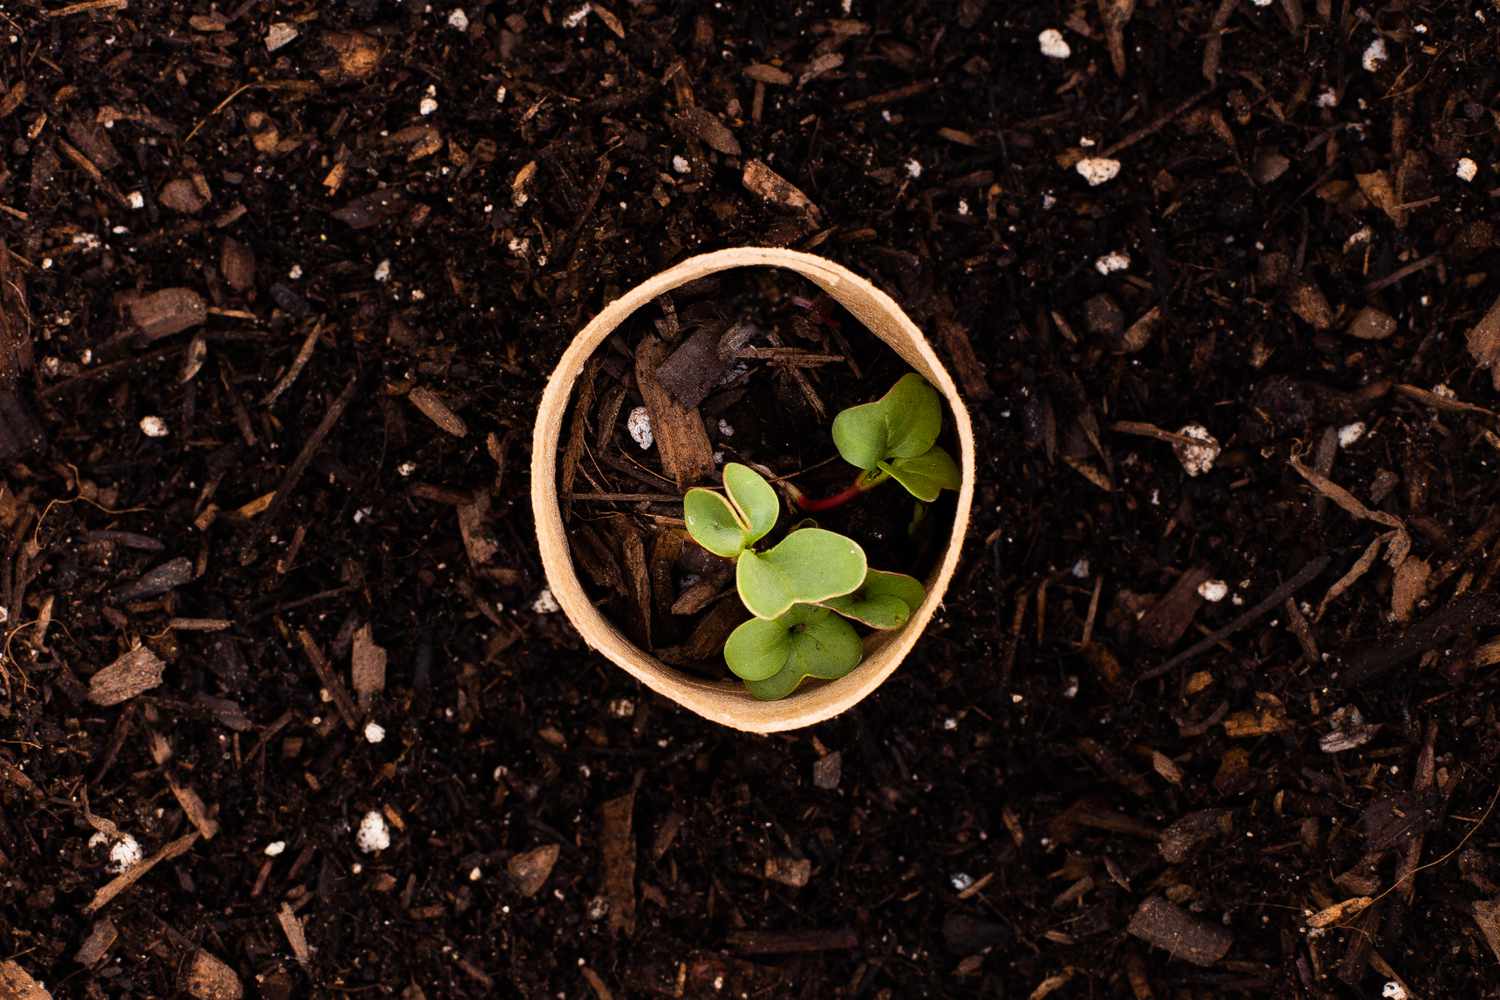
(156, 581)
(168, 311)
(766, 184)
(1172, 615)
(101, 938)
(619, 862)
(16, 984)
(1179, 839)
(237, 264)
(358, 55)
(697, 364)
(1487, 916)
(138, 670)
(197, 812)
(1311, 305)
(478, 543)
(210, 978)
(93, 140)
(435, 409)
(1371, 324)
(1484, 342)
(182, 195)
(705, 126)
(1167, 926)
(296, 935)
(687, 457)
(367, 666)
(795, 872)
(529, 870)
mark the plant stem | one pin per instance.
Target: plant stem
(863, 483)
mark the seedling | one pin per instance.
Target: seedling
(807, 566)
(894, 437)
(803, 591)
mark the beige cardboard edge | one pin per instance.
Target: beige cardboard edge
(726, 702)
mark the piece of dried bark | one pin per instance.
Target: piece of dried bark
(367, 666)
(182, 195)
(795, 872)
(296, 936)
(765, 183)
(16, 984)
(1311, 305)
(687, 457)
(435, 409)
(529, 870)
(136, 671)
(1371, 324)
(478, 543)
(168, 311)
(156, 581)
(1171, 616)
(237, 264)
(1116, 14)
(1487, 916)
(1484, 342)
(1165, 925)
(131, 875)
(697, 364)
(101, 938)
(210, 978)
(197, 812)
(1179, 839)
(358, 55)
(618, 855)
(705, 126)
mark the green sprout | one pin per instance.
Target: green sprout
(894, 437)
(808, 591)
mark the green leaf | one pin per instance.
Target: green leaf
(904, 423)
(805, 567)
(884, 601)
(927, 475)
(820, 645)
(713, 523)
(753, 498)
(758, 649)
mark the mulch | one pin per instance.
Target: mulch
(279, 290)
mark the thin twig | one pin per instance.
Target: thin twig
(1304, 576)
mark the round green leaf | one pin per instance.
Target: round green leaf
(826, 647)
(805, 567)
(907, 589)
(927, 475)
(712, 523)
(753, 498)
(777, 687)
(903, 423)
(758, 650)
(882, 612)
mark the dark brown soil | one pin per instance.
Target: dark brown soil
(1062, 792)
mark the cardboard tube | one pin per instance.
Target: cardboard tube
(727, 702)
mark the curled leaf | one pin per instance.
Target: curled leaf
(926, 475)
(884, 601)
(753, 498)
(904, 423)
(713, 523)
(774, 657)
(805, 567)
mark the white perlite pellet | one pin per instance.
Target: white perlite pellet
(1213, 591)
(1467, 169)
(638, 423)
(1053, 45)
(1097, 169)
(373, 834)
(153, 427)
(1197, 458)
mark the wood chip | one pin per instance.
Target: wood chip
(1338, 912)
(1484, 342)
(182, 195)
(529, 870)
(296, 936)
(478, 543)
(703, 125)
(766, 184)
(210, 978)
(131, 875)
(168, 311)
(237, 264)
(618, 857)
(197, 813)
(434, 409)
(329, 680)
(792, 942)
(101, 938)
(761, 73)
(795, 872)
(1180, 839)
(1311, 305)
(1169, 618)
(367, 666)
(1371, 324)
(16, 984)
(136, 671)
(1376, 186)
(687, 457)
(1166, 925)
(1487, 916)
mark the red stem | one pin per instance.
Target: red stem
(814, 504)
